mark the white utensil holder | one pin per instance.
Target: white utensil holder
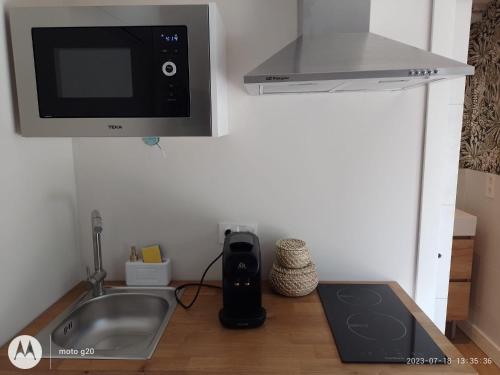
(148, 274)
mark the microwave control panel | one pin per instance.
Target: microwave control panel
(171, 71)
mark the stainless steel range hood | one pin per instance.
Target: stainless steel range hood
(328, 62)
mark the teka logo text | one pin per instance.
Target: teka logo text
(25, 352)
(277, 78)
(115, 127)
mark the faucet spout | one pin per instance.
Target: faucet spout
(96, 221)
(96, 280)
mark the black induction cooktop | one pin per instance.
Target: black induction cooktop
(370, 324)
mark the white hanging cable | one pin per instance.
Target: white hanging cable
(155, 141)
(163, 153)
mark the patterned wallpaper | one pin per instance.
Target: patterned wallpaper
(480, 147)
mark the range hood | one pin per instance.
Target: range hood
(323, 60)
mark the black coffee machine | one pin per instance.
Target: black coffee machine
(242, 292)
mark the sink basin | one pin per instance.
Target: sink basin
(124, 323)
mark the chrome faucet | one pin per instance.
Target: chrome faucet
(96, 280)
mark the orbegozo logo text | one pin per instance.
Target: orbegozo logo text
(25, 352)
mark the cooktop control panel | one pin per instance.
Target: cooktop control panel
(172, 71)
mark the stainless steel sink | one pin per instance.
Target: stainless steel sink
(124, 323)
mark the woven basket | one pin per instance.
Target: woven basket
(294, 282)
(292, 253)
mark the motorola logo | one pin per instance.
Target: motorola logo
(115, 127)
(25, 352)
(242, 266)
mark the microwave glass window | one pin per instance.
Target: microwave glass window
(93, 72)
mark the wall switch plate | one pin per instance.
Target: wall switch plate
(490, 186)
(235, 227)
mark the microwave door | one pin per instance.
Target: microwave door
(99, 72)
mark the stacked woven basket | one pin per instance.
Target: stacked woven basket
(293, 273)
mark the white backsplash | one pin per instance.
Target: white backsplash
(340, 171)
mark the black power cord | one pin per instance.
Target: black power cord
(199, 285)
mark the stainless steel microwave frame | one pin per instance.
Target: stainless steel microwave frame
(207, 114)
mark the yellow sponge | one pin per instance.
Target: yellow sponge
(151, 254)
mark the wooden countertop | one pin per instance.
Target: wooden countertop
(295, 339)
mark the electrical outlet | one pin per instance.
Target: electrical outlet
(490, 186)
(235, 227)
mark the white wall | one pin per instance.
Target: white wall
(340, 171)
(40, 260)
(484, 321)
(449, 37)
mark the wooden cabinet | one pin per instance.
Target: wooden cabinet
(461, 259)
(458, 301)
(460, 279)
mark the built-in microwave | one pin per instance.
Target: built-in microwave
(153, 70)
